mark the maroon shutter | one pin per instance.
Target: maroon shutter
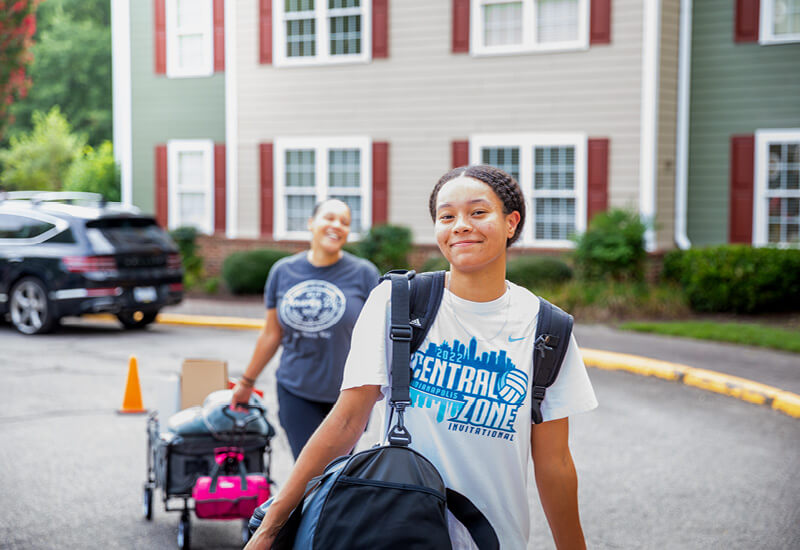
(600, 25)
(219, 35)
(597, 182)
(219, 188)
(265, 32)
(380, 28)
(160, 36)
(265, 154)
(746, 20)
(460, 153)
(380, 182)
(460, 26)
(162, 186)
(740, 228)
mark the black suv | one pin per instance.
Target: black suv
(65, 254)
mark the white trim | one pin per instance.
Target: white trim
(323, 56)
(205, 11)
(526, 143)
(682, 130)
(529, 42)
(121, 85)
(231, 125)
(763, 138)
(174, 148)
(765, 34)
(321, 190)
(648, 139)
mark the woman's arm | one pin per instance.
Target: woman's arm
(337, 434)
(269, 339)
(557, 482)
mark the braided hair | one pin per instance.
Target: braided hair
(504, 186)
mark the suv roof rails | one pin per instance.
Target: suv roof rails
(70, 197)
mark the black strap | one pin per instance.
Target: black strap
(427, 290)
(473, 519)
(400, 333)
(553, 330)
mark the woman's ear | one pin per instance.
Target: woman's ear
(512, 221)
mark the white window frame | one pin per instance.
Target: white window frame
(174, 148)
(321, 15)
(764, 138)
(174, 70)
(529, 44)
(766, 21)
(322, 191)
(526, 144)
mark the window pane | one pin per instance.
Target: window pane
(345, 35)
(354, 202)
(298, 210)
(19, 227)
(191, 209)
(298, 5)
(784, 166)
(556, 20)
(344, 168)
(188, 16)
(783, 219)
(190, 170)
(554, 168)
(555, 218)
(335, 4)
(301, 36)
(505, 158)
(502, 24)
(300, 168)
(786, 17)
(190, 52)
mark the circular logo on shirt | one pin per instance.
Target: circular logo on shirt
(312, 306)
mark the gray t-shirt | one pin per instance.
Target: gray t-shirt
(317, 309)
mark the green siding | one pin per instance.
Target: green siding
(166, 108)
(735, 89)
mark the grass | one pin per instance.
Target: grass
(738, 333)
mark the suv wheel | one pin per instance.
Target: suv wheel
(31, 311)
(136, 319)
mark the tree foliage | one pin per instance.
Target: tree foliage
(17, 26)
(95, 171)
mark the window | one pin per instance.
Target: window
(551, 169)
(780, 21)
(189, 38)
(310, 32)
(503, 26)
(777, 195)
(191, 184)
(309, 170)
(18, 229)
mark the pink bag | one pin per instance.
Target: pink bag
(229, 496)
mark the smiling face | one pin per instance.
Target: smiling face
(471, 227)
(330, 226)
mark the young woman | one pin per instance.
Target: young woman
(313, 300)
(487, 325)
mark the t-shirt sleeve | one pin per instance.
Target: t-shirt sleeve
(572, 392)
(271, 288)
(366, 362)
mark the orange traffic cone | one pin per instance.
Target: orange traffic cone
(132, 402)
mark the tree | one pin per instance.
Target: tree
(40, 160)
(95, 171)
(17, 26)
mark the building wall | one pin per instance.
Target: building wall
(735, 89)
(166, 108)
(423, 97)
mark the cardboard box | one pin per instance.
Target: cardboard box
(199, 377)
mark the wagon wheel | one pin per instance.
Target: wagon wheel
(147, 503)
(184, 531)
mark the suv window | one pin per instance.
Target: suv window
(125, 232)
(22, 227)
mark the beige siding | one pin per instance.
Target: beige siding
(422, 97)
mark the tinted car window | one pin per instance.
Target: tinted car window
(21, 227)
(63, 237)
(125, 232)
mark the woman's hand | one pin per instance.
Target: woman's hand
(241, 395)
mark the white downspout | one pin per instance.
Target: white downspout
(121, 95)
(648, 142)
(682, 143)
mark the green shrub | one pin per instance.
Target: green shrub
(612, 247)
(436, 262)
(186, 239)
(537, 271)
(95, 171)
(737, 278)
(386, 246)
(246, 272)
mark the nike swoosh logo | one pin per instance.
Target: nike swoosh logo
(510, 339)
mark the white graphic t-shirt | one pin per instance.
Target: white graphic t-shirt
(470, 412)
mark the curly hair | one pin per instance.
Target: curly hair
(504, 186)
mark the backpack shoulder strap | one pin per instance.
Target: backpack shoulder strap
(473, 519)
(427, 290)
(553, 331)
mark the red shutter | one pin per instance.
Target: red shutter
(380, 28)
(265, 32)
(161, 186)
(597, 184)
(160, 35)
(746, 23)
(380, 182)
(460, 26)
(265, 153)
(219, 35)
(460, 153)
(740, 228)
(600, 25)
(219, 188)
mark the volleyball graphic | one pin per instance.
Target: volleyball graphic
(513, 386)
